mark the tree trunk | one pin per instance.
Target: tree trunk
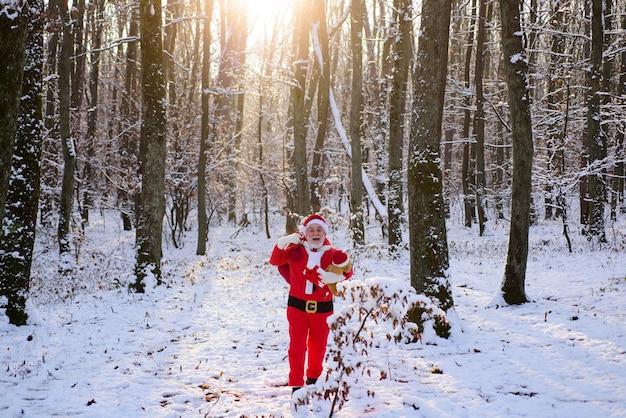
(264, 192)
(554, 142)
(203, 220)
(397, 117)
(501, 159)
(513, 284)
(608, 70)
(128, 193)
(13, 33)
(92, 115)
(323, 91)
(226, 113)
(302, 27)
(77, 83)
(427, 223)
(356, 122)
(479, 117)
(382, 129)
(596, 187)
(376, 116)
(17, 235)
(51, 126)
(620, 173)
(467, 172)
(264, 108)
(240, 41)
(67, 142)
(78, 60)
(584, 155)
(151, 207)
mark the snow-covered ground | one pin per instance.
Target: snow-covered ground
(213, 343)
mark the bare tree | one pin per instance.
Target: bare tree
(264, 118)
(87, 178)
(203, 221)
(620, 173)
(516, 65)
(67, 142)
(596, 187)
(302, 26)
(479, 117)
(555, 97)
(13, 32)
(127, 191)
(397, 109)
(17, 235)
(381, 108)
(228, 99)
(467, 171)
(427, 222)
(51, 126)
(151, 208)
(239, 30)
(356, 122)
(322, 71)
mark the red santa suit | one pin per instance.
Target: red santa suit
(309, 306)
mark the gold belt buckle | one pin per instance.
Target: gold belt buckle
(311, 306)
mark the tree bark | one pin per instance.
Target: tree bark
(226, 110)
(596, 187)
(382, 111)
(13, 32)
(17, 235)
(51, 126)
(397, 108)
(620, 173)
(467, 171)
(427, 224)
(67, 142)
(554, 142)
(583, 184)
(129, 192)
(479, 117)
(356, 122)
(203, 220)
(516, 66)
(77, 78)
(151, 207)
(240, 39)
(92, 115)
(323, 92)
(302, 27)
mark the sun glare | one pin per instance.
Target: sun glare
(263, 14)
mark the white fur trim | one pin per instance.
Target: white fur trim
(315, 222)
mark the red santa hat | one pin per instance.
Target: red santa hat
(314, 219)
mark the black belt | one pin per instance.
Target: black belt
(310, 306)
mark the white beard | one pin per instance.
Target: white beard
(316, 245)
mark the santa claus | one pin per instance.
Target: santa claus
(312, 266)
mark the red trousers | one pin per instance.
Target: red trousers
(308, 334)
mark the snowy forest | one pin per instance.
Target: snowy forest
(468, 155)
(390, 114)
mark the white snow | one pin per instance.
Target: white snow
(11, 8)
(213, 343)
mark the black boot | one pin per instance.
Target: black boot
(293, 389)
(311, 381)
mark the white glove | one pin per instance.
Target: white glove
(294, 238)
(328, 277)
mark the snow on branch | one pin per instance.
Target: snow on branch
(380, 208)
(11, 8)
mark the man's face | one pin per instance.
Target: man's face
(315, 236)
